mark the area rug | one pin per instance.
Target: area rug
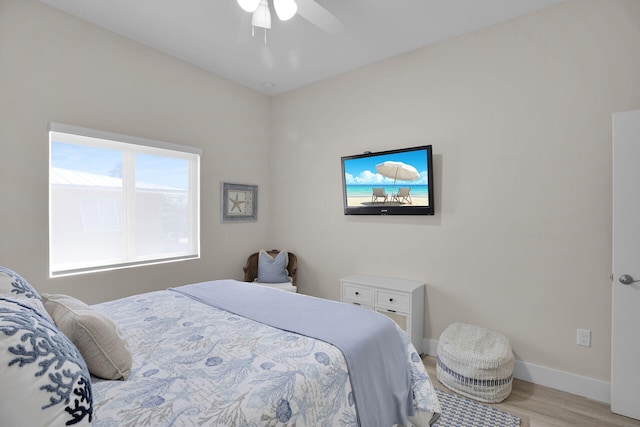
(458, 411)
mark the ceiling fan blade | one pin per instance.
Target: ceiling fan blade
(315, 13)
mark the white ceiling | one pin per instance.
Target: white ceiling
(216, 34)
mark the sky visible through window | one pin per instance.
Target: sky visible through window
(150, 169)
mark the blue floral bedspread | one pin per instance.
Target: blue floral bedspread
(197, 365)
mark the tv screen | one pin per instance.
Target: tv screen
(395, 182)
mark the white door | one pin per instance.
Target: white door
(625, 335)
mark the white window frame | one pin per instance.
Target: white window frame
(130, 146)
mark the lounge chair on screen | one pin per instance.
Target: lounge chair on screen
(379, 193)
(402, 196)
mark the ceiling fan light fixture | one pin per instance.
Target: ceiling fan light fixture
(262, 16)
(285, 9)
(249, 5)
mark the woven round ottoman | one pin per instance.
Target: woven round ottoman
(475, 362)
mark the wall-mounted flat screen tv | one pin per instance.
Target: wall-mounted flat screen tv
(395, 182)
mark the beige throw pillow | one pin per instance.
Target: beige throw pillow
(97, 336)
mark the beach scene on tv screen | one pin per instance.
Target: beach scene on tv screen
(397, 179)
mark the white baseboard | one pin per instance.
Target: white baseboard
(548, 377)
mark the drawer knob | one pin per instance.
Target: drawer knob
(390, 299)
(357, 293)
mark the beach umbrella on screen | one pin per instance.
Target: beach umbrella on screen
(397, 171)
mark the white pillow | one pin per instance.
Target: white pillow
(14, 286)
(45, 382)
(97, 336)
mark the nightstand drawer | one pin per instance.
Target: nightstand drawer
(357, 294)
(368, 307)
(393, 300)
(400, 300)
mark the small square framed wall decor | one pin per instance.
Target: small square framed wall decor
(239, 202)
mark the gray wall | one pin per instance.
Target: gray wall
(519, 116)
(55, 67)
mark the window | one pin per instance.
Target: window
(118, 201)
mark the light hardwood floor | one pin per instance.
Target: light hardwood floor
(539, 406)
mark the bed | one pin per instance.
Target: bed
(196, 364)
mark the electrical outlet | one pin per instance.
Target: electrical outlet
(584, 337)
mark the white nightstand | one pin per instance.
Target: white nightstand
(400, 300)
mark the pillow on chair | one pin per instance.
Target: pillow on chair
(273, 270)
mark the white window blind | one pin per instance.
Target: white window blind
(118, 201)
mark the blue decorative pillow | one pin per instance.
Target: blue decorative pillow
(273, 270)
(44, 378)
(14, 286)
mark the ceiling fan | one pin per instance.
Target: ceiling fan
(287, 9)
